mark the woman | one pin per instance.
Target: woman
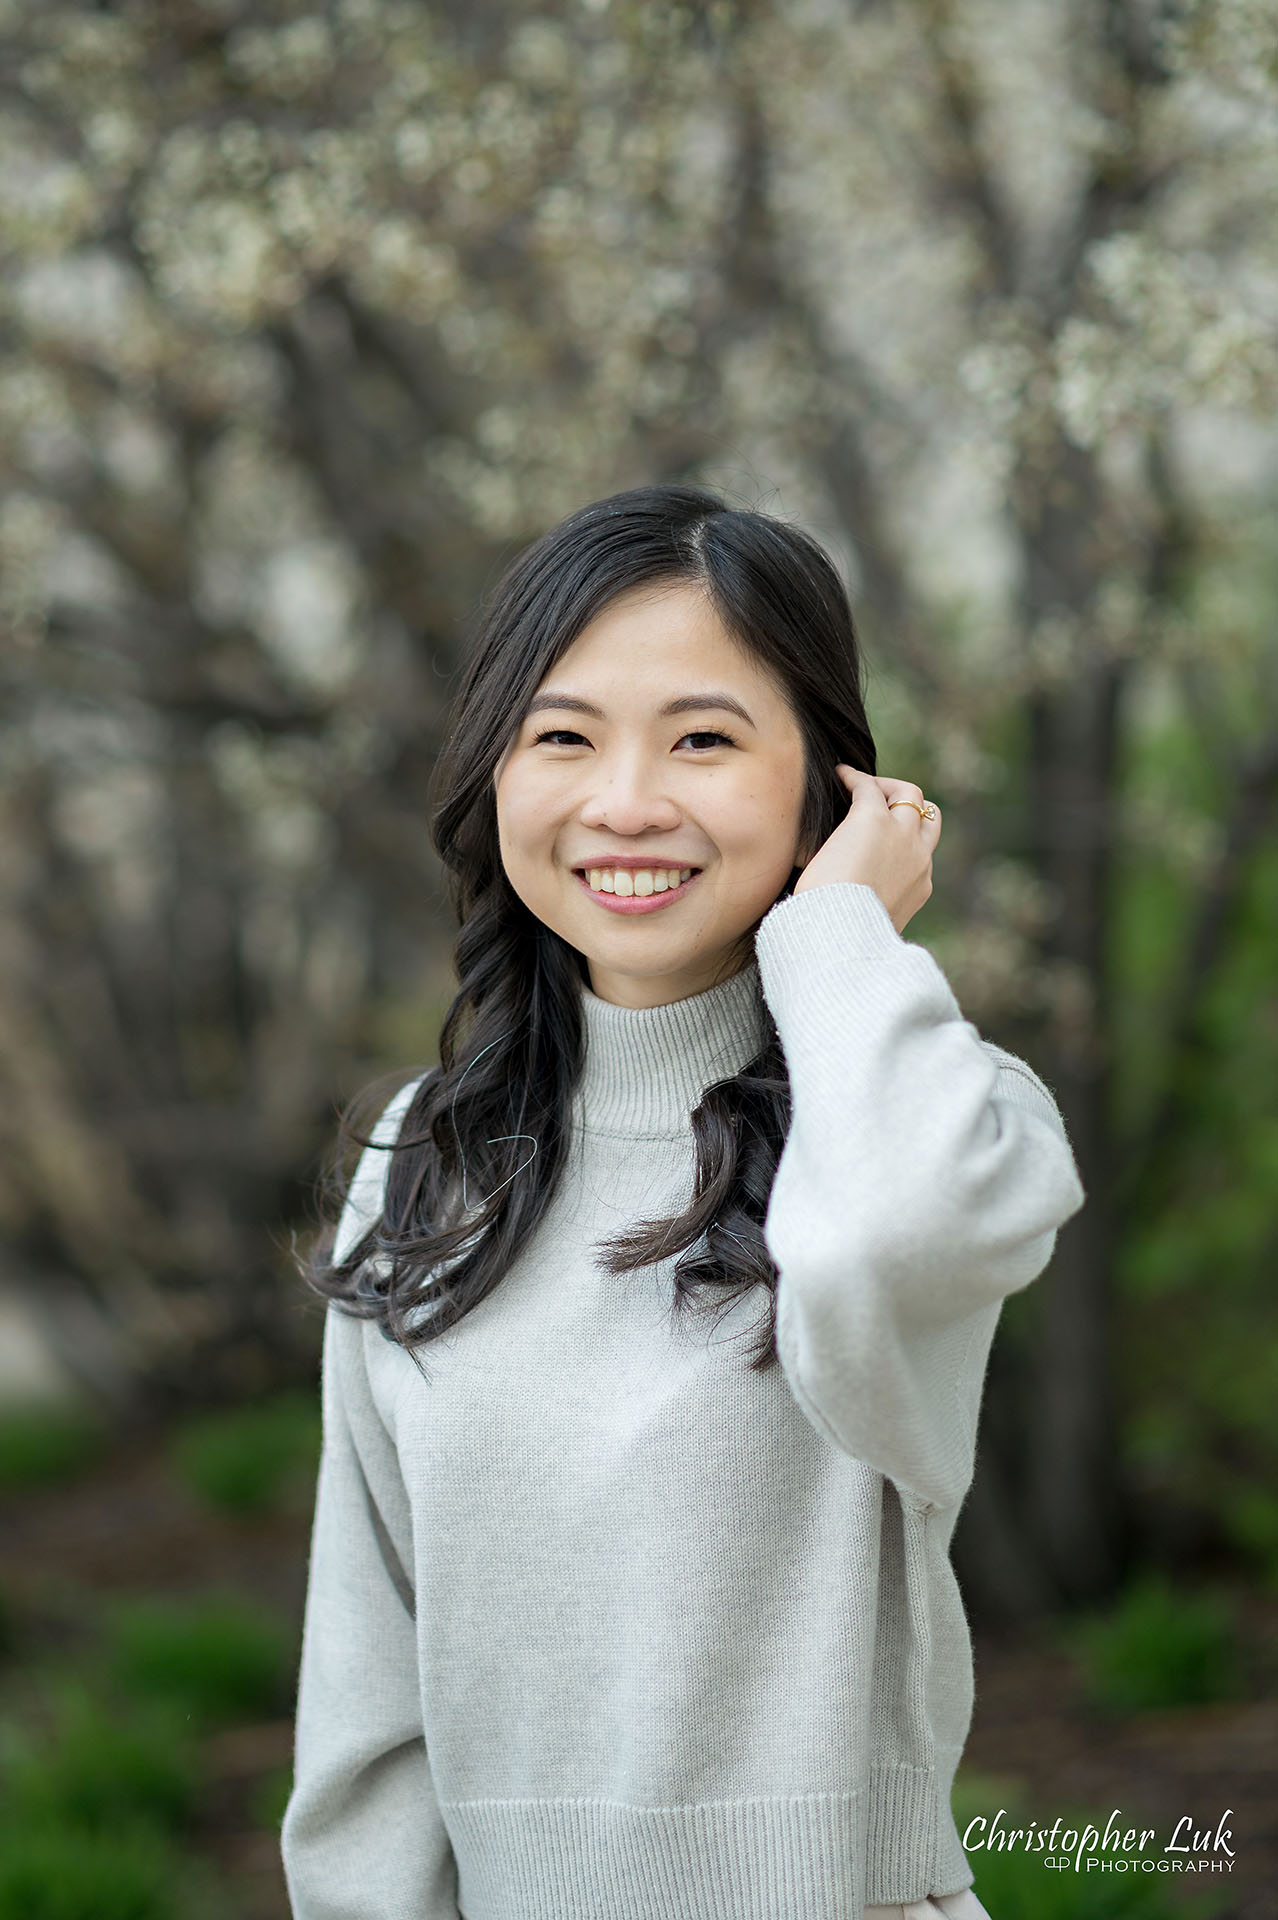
(605, 1621)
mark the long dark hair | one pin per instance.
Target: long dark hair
(511, 1045)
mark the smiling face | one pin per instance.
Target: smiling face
(655, 745)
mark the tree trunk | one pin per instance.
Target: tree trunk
(1045, 1519)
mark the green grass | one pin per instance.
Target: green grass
(255, 1459)
(1158, 1647)
(59, 1873)
(42, 1445)
(103, 1762)
(215, 1658)
(102, 1743)
(101, 1781)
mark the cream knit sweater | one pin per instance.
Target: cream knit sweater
(602, 1625)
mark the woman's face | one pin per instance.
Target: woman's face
(605, 788)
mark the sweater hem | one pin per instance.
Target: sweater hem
(817, 1856)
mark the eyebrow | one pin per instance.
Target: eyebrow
(686, 703)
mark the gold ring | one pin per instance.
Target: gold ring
(925, 812)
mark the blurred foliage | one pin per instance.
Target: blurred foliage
(253, 1459)
(310, 317)
(1196, 1069)
(40, 1445)
(97, 1796)
(1251, 1519)
(1158, 1646)
(270, 1798)
(214, 1656)
(105, 1762)
(114, 1772)
(56, 1873)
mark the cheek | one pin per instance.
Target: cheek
(762, 810)
(525, 815)
(515, 801)
(764, 824)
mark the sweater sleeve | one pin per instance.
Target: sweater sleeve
(924, 1178)
(362, 1835)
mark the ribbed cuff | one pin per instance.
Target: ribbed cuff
(853, 912)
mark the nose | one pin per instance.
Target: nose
(628, 797)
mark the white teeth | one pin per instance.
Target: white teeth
(640, 881)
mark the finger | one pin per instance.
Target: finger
(896, 791)
(902, 789)
(907, 808)
(860, 783)
(914, 806)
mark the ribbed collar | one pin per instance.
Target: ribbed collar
(646, 1068)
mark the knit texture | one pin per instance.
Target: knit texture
(600, 1624)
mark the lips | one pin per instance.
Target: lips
(636, 903)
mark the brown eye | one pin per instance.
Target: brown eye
(559, 736)
(726, 738)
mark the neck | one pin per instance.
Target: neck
(638, 990)
(646, 1068)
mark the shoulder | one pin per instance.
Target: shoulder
(364, 1195)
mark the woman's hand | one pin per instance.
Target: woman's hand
(887, 848)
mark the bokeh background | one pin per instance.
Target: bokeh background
(311, 316)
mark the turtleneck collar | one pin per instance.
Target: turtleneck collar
(646, 1068)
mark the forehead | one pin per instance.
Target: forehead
(636, 645)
